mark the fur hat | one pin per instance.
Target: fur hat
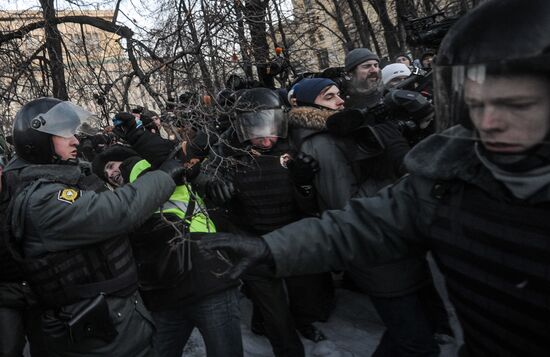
(113, 153)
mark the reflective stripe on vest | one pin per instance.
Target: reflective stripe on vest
(177, 204)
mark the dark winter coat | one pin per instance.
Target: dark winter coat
(492, 247)
(340, 178)
(51, 224)
(150, 240)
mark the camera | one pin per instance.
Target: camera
(428, 31)
(410, 111)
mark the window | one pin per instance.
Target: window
(322, 55)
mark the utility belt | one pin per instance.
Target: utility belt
(75, 323)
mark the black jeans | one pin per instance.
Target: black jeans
(269, 296)
(409, 327)
(311, 297)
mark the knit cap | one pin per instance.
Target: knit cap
(357, 56)
(308, 89)
(394, 70)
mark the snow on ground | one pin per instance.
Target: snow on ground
(353, 329)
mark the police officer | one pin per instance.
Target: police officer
(478, 194)
(259, 196)
(71, 241)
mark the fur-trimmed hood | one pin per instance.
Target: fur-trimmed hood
(309, 118)
(447, 155)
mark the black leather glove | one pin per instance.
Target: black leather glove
(175, 169)
(127, 127)
(220, 192)
(302, 169)
(395, 145)
(244, 252)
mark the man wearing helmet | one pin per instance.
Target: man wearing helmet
(70, 240)
(258, 193)
(478, 195)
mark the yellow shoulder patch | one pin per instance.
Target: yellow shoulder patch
(68, 195)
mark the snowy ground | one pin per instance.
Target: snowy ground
(353, 329)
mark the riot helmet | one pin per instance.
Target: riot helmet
(37, 121)
(259, 114)
(498, 38)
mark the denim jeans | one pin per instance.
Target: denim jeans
(216, 316)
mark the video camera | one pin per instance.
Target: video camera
(410, 110)
(428, 31)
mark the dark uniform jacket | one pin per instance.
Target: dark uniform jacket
(55, 219)
(492, 247)
(341, 178)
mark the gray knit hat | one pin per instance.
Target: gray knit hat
(358, 56)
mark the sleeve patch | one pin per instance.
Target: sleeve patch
(68, 195)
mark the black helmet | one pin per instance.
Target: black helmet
(260, 113)
(38, 120)
(498, 37)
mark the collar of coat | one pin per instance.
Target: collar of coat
(444, 156)
(68, 174)
(308, 117)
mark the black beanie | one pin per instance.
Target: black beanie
(113, 153)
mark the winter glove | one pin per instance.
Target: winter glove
(175, 169)
(302, 169)
(244, 252)
(395, 145)
(220, 192)
(127, 127)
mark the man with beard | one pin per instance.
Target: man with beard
(364, 89)
(351, 166)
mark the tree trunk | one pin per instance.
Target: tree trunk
(243, 42)
(390, 33)
(199, 55)
(55, 52)
(362, 27)
(255, 18)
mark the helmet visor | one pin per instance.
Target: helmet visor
(66, 119)
(261, 124)
(509, 110)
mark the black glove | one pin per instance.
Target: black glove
(175, 169)
(244, 252)
(220, 192)
(127, 127)
(395, 145)
(302, 169)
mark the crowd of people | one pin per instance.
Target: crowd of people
(120, 242)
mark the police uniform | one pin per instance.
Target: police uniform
(72, 245)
